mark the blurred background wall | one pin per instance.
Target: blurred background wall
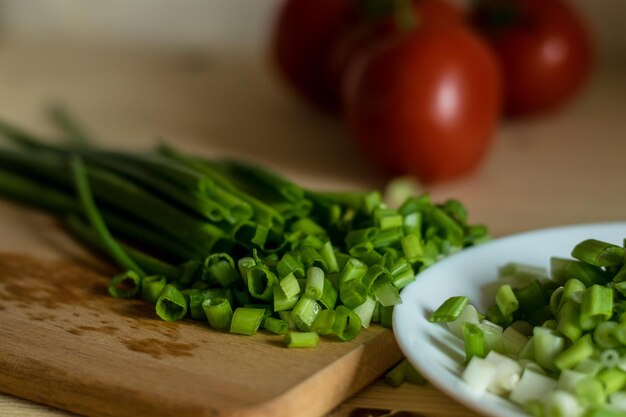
(234, 25)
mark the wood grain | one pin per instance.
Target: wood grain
(68, 344)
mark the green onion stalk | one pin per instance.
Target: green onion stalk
(240, 247)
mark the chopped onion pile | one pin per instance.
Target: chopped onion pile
(555, 345)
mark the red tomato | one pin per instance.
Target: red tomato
(425, 103)
(362, 34)
(544, 50)
(302, 39)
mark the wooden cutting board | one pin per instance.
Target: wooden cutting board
(66, 343)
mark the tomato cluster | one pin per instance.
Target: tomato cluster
(421, 83)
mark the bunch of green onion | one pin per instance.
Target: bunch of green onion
(231, 243)
(554, 346)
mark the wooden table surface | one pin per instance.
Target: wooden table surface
(566, 167)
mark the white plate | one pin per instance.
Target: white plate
(438, 354)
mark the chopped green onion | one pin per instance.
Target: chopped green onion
(171, 305)
(220, 267)
(352, 293)
(447, 225)
(570, 357)
(386, 316)
(195, 298)
(531, 297)
(588, 367)
(620, 287)
(397, 375)
(413, 376)
(246, 321)
(474, 340)
(513, 341)
(595, 252)
(286, 315)
(387, 295)
(388, 237)
(609, 358)
(125, 285)
(468, 314)
(375, 277)
(572, 291)
(413, 224)
(449, 310)
(372, 258)
(304, 313)
(564, 269)
(596, 306)
(281, 301)
(492, 333)
(387, 218)
(311, 257)
(619, 333)
(478, 373)
(151, 287)
(523, 271)
(569, 321)
(218, 312)
(244, 264)
(365, 311)
(613, 379)
(324, 322)
(531, 386)
(359, 242)
(560, 403)
(353, 270)
(290, 286)
(301, 339)
(276, 326)
(347, 324)
(260, 282)
(590, 392)
(547, 346)
(342, 260)
(604, 335)
(289, 264)
(314, 283)
(412, 248)
(328, 254)
(329, 295)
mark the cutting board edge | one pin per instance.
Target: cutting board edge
(356, 376)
